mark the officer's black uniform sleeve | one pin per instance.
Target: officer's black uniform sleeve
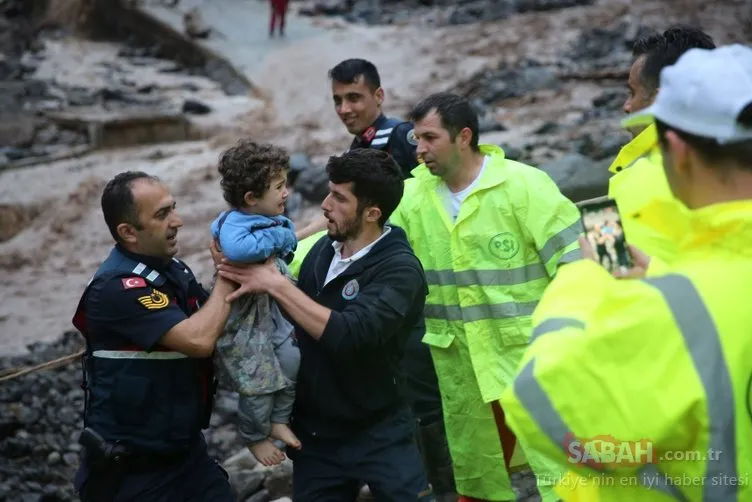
(402, 146)
(141, 314)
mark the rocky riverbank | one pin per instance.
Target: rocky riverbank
(433, 12)
(55, 97)
(40, 420)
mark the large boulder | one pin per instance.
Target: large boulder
(578, 177)
(313, 184)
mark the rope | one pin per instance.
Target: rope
(55, 363)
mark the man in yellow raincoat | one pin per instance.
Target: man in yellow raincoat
(638, 174)
(641, 387)
(490, 233)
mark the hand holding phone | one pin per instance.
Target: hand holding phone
(603, 229)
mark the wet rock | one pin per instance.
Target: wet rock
(47, 135)
(246, 482)
(279, 480)
(601, 48)
(13, 219)
(611, 100)
(53, 458)
(294, 205)
(578, 177)
(547, 128)
(487, 123)
(313, 184)
(194, 24)
(511, 82)
(444, 12)
(511, 152)
(81, 97)
(261, 496)
(599, 147)
(17, 130)
(300, 162)
(196, 107)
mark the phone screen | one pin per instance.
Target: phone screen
(603, 228)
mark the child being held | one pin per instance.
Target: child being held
(257, 354)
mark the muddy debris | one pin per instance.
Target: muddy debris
(14, 218)
(433, 12)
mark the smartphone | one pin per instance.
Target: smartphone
(603, 229)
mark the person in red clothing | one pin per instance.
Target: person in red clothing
(277, 16)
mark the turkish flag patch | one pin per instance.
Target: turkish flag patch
(134, 282)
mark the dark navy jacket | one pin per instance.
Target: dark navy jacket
(139, 393)
(353, 376)
(394, 136)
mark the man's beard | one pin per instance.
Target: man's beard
(350, 230)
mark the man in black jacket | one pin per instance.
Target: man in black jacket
(361, 290)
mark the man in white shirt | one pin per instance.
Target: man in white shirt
(491, 234)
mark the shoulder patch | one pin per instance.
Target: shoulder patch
(155, 301)
(411, 137)
(133, 282)
(351, 290)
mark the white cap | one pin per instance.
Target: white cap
(703, 93)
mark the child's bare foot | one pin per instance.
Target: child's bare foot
(266, 453)
(285, 434)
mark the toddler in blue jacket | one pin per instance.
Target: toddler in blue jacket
(257, 354)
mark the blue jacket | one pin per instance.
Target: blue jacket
(247, 238)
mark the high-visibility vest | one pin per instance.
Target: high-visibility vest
(638, 179)
(641, 388)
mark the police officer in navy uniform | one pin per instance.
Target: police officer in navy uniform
(358, 96)
(150, 330)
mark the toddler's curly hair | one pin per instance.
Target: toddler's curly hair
(249, 167)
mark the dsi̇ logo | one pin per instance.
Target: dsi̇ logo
(504, 245)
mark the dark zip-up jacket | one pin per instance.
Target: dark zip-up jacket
(353, 376)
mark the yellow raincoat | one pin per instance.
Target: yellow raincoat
(638, 179)
(486, 273)
(641, 388)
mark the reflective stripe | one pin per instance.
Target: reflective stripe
(153, 276)
(139, 268)
(555, 324)
(702, 339)
(536, 402)
(571, 256)
(560, 241)
(380, 141)
(704, 344)
(498, 277)
(135, 354)
(383, 132)
(479, 312)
